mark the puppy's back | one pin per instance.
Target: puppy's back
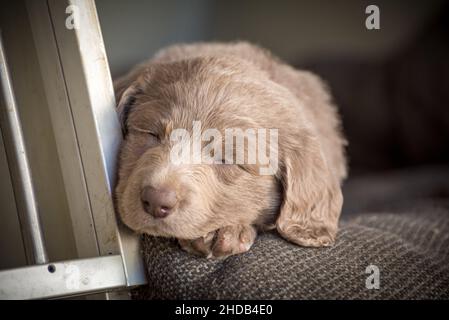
(306, 86)
(243, 50)
(309, 89)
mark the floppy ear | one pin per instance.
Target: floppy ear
(312, 198)
(126, 88)
(127, 99)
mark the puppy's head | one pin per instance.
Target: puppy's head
(172, 109)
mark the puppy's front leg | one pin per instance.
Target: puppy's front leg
(223, 242)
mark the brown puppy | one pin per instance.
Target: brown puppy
(215, 209)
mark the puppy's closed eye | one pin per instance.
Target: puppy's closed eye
(153, 139)
(150, 138)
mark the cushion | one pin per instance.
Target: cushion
(408, 247)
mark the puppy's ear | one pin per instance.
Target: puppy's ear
(126, 100)
(312, 198)
(126, 89)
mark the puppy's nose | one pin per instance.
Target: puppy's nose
(158, 202)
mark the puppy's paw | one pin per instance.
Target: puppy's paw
(223, 242)
(233, 240)
(200, 246)
(319, 236)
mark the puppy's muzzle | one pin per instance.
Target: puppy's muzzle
(158, 202)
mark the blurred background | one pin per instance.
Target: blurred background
(296, 31)
(363, 67)
(391, 85)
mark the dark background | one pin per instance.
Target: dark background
(391, 85)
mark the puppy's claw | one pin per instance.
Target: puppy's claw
(200, 246)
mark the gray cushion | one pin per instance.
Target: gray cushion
(410, 248)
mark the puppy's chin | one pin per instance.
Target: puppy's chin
(141, 222)
(157, 232)
(168, 232)
(173, 226)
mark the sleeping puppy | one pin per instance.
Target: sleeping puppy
(215, 208)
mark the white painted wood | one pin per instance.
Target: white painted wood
(63, 279)
(63, 126)
(90, 93)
